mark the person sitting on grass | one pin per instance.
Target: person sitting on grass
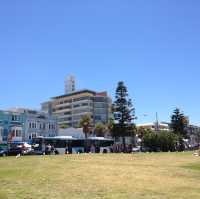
(197, 153)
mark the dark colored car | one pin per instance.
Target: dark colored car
(3, 152)
(15, 151)
(34, 152)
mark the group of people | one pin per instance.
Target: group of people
(120, 148)
(50, 150)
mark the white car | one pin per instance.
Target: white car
(136, 149)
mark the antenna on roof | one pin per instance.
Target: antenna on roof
(70, 84)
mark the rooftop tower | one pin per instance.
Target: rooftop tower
(69, 84)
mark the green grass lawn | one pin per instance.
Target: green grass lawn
(117, 176)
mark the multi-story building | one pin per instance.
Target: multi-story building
(69, 108)
(24, 124)
(11, 124)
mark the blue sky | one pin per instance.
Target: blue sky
(152, 45)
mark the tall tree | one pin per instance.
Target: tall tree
(141, 132)
(124, 113)
(110, 126)
(85, 123)
(179, 122)
(100, 129)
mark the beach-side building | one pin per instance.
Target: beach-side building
(161, 126)
(70, 107)
(19, 124)
(11, 126)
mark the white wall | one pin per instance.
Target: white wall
(77, 133)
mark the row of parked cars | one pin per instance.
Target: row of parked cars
(15, 149)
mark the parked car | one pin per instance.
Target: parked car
(34, 152)
(3, 152)
(18, 149)
(15, 151)
(136, 149)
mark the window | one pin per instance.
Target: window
(30, 125)
(67, 101)
(18, 133)
(81, 98)
(99, 99)
(100, 105)
(84, 104)
(67, 113)
(76, 106)
(15, 117)
(97, 117)
(64, 107)
(34, 135)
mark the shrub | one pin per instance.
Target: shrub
(160, 141)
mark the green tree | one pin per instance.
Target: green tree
(124, 113)
(160, 141)
(85, 123)
(179, 122)
(63, 126)
(110, 125)
(100, 129)
(141, 132)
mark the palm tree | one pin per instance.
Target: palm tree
(85, 123)
(100, 129)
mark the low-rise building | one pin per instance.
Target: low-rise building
(161, 126)
(20, 124)
(11, 126)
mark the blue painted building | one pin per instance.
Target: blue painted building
(24, 124)
(11, 124)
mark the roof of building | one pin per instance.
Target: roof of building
(151, 124)
(75, 93)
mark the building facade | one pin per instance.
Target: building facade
(11, 126)
(24, 124)
(69, 108)
(154, 126)
(193, 133)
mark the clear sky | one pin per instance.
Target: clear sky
(152, 45)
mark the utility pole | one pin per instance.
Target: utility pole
(157, 123)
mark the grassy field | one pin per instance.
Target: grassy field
(117, 176)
